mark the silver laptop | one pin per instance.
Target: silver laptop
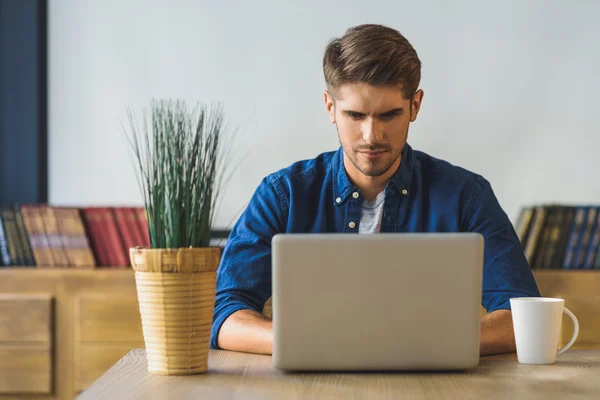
(376, 302)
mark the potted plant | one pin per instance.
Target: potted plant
(178, 155)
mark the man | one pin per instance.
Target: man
(374, 183)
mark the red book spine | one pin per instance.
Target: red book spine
(131, 221)
(93, 225)
(113, 239)
(128, 235)
(143, 225)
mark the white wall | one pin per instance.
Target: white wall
(511, 88)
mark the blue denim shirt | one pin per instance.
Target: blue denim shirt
(425, 195)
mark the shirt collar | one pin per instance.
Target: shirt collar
(399, 183)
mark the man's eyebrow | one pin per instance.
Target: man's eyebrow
(393, 111)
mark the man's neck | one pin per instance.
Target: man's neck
(369, 186)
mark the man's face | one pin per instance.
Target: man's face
(372, 124)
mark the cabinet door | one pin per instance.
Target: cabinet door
(25, 343)
(107, 326)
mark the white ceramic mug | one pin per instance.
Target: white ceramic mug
(537, 322)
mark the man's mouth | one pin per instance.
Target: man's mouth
(373, 154)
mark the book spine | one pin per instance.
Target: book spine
(594, 243)
(12, 236)
(28, 258)
(91, 217)
(4, 254)
(597, 261)
(37, 236)
(142, 221)
(565, 229)
(115, 243)
(574, 237)
(524, 224)
(134, 227)
(585, 237)
(74, 239)
(123, 226)
(536, 231)
(54, 237)
(541, 260)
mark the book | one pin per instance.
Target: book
(74, 239)
(34, 225)
(586, 233)
(95, 232)
(54, 237)
(142, 221)
(523, 225)
(113, 239)
(594, 244)
(548, 238)
(127, 227)
(12, 235)
(26, 252)
(574, 237)
(536, 231)
(5, 259)
(558, 252)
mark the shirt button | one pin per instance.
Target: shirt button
(355, 195)
(338, 200)
(351, 224)
(404, 191)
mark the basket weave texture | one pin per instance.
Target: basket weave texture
(176, 293)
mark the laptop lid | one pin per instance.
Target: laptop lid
(376, 302)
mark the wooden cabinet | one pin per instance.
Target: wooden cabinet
(106, 328)
(61, 329)
(26, 343)
(581, 291)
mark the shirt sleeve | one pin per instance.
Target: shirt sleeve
(244, 275)
(506, 272)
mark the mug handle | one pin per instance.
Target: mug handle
(575, 333)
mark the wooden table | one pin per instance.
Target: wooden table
(245, 376)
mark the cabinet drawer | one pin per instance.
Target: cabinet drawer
(108, 318)
(25, 369)
(25, 317)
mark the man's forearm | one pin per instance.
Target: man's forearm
(251, 332)
(247, 331)
(497, 334)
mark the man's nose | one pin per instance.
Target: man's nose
(372, 131)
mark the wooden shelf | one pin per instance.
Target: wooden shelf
(62, 270)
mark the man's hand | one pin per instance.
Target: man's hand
(497, 334)
(247, 331)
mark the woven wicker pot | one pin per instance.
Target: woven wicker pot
(176, 293)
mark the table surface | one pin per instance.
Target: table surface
(233, 375)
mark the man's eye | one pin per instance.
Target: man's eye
(389, 117)
(355, 115)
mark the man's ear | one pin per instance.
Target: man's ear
(329, 106)
(416, 104)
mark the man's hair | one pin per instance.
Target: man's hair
(372, 54)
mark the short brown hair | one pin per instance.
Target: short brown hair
(373, 54)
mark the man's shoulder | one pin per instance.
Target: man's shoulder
(313, 167)
(435, 169)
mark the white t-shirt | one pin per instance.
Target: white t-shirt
(372, 211)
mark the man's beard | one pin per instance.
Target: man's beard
(378, 170)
